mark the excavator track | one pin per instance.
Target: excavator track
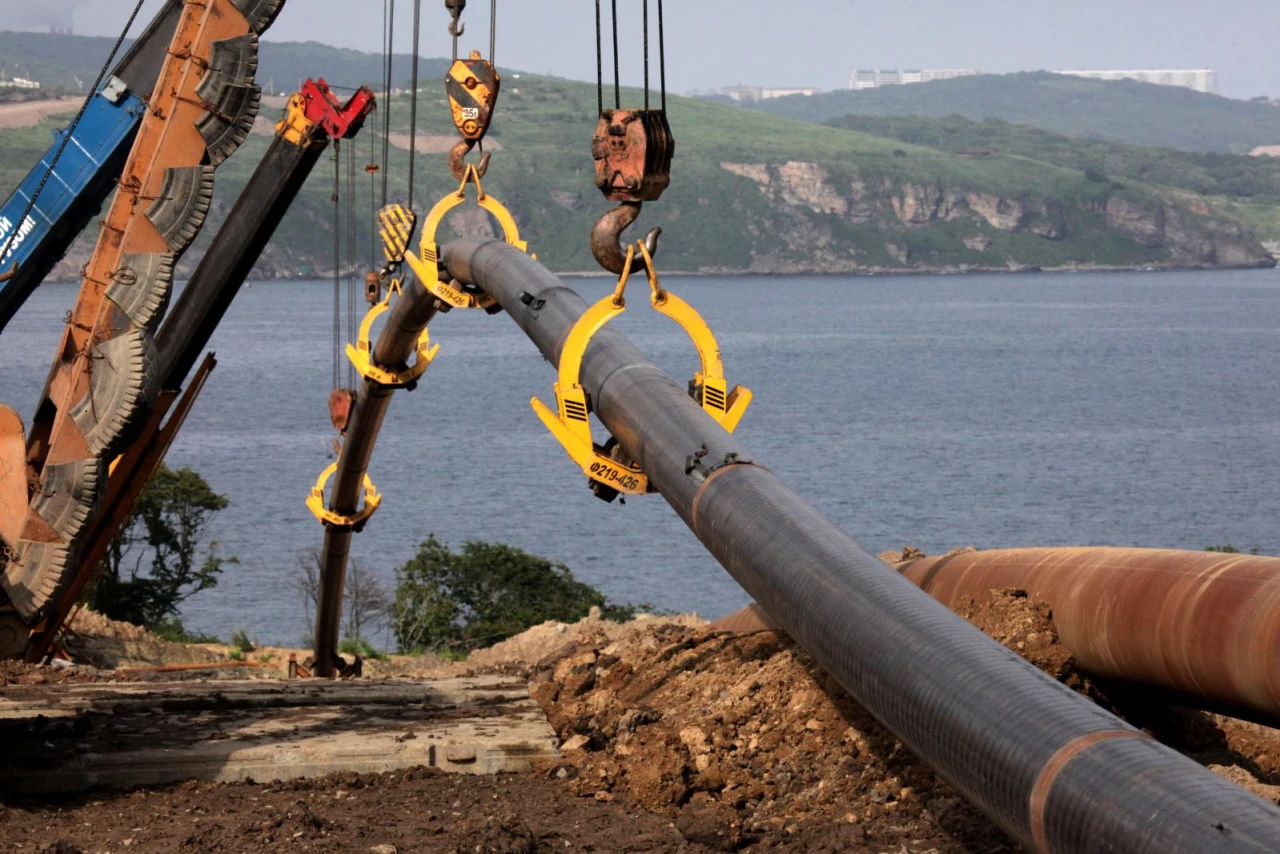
(106, 377)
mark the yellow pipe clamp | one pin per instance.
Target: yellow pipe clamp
(569, 423)
(315, 502)
(361, 353)
(427, 268)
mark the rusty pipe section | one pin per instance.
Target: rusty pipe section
(1201, 625)
(404, 323)
(1054, 770)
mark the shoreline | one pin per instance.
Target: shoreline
(871, 272)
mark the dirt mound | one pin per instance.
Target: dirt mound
(742, 740)
(521, 653)
(109, 644)
(18, 673)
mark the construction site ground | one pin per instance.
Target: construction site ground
(674, 736)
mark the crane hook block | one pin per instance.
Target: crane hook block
(315, 502)
(361, 353)
(472, 85)
(427, 268)
(569, 422)
(633, 150)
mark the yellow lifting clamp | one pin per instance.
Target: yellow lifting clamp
(315, 502)
(427, 267)
(361, 352)
(709, 386)
(570, 425)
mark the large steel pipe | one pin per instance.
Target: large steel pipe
(1201, 625)
(405, 321)
(1054, 770)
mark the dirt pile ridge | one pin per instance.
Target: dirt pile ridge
(109, 644)
(743, 741)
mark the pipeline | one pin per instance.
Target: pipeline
(1055, 771)
(1203, 627)
(405, 321)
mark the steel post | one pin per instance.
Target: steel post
(1054, 770)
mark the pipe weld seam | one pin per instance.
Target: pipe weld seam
(702, 489)
(1053, 768)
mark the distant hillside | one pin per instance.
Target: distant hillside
(65, 62)
(753, 193)
(1209, 174)
(1126, 111)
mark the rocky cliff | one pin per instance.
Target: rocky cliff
(908, 225)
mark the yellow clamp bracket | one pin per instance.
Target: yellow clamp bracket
(315, 502)
(294, 126)
(361, 352)
(710, 387)
(569, 423)
(425, 267)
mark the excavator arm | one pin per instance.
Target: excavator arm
(106, 379)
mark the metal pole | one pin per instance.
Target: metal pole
(1054, 770)
(405, 321)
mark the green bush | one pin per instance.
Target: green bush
(1232, 550)
(362, 648)
(154, 565)
(485, 593)
(241, 641)
(172, 630)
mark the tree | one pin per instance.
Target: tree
(366, 602)
(484, 594)
(154, 564)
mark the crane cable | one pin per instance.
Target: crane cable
(337, 257)
(70, 132)
(617, 81)
(413, 102)
(353, 256)
(388, 55)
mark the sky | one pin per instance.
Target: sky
(714, 43)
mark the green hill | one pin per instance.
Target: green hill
(63, 63)
(1126, 111)
(753, 192)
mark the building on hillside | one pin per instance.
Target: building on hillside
(874, 78)
(751, 94)
(19, 83)
(1196, 79)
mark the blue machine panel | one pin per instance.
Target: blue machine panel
(84, 177)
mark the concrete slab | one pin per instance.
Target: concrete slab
(122, 735)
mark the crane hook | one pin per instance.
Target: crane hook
(455, 8)
(458, 166)
(606, 237)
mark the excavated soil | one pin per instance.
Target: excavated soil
(744, 742)
(417, 810)
(676, 737)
